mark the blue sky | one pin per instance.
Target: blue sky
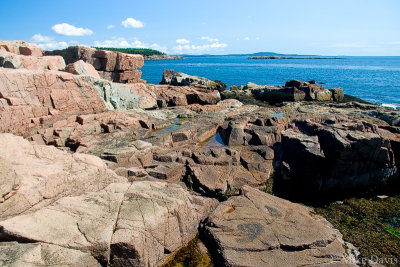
(325, 27)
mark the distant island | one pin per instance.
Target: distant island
(148, 54)
(279, 57)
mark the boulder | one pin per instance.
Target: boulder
(30, 51)
(111, 65)
(219, 181)
(128, 62)
(14, 61)
(335, 158)
(181, 79)
(185, 95)
(131, 76)
(258, 229)
(171, 172)
(107, 59)
(221, 172)
(21, 48)
(337, 94)
(167, 76)
(253, 129)
(81, 68)
(74, 53)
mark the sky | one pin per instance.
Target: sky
(320, 27)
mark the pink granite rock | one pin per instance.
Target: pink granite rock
(14, 46)
(31, 50)
(42, 174)
(107, 60)
(14, 61)
(184, 95)
(81, 68)
(31, 100)
(258, 229)
(132, 76)
(129, 62)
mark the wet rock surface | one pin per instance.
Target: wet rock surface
(333, 156)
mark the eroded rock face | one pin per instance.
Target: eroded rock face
(24, 55)
(21, 48)
(37, 175)
(15, 61)
(221, 172)
(113, 66)
(124, 224)
(31, 100)
(253, 129)
(333, 156)
(155, 219)
(258, 229)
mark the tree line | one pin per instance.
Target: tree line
(141, 51)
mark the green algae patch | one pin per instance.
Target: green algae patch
(269, 184)
(191, 255)
(392, 231)
(392, 226)
(369, 224)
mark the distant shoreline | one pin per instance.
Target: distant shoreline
(162, 57)
(277, 57)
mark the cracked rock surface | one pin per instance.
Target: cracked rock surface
(40, 254)
(73, 202)
(42, 174)
(258, 229)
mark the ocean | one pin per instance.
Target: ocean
(374, 79)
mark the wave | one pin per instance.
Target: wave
(388, 105)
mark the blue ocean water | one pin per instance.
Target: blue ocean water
(374, 79)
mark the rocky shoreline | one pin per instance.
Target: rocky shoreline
(99, 168)
(162, 57)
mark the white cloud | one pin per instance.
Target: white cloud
(209, 39)
(47, 43)
(159, 47)
(132, 23)
(110, 27)
(40, 38)
(53, 45)
(257, 38)
(70, 30)
(246, 38)
(180, 49)
(182, 41)
(120, 42)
